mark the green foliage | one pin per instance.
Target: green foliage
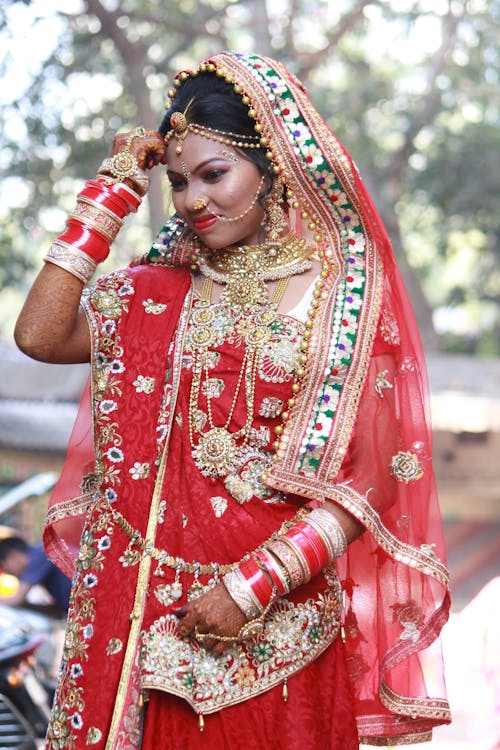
(409, 85)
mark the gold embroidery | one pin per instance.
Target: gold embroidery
(406, 467)
(114, 646)
(293, 636)
(381, 382)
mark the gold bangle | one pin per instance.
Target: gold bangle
(93, 225)
(277, 566)
(102, 209)
(71, 259)
(94, 218)
(241, 592)
(289, 559)
(330, 530)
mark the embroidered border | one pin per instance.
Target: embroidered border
(294, 635)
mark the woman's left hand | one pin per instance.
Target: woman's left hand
(213, 612)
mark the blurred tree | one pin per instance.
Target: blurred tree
(408, 84)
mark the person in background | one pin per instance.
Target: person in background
(31, 566)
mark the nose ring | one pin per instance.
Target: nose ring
(199, 203)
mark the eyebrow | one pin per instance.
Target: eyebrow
(200, 165)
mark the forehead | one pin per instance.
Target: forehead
(195, 150)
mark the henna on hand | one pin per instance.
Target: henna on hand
(213, 612)
(149, 149)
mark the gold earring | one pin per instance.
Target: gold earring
(275, 220)
(199, 203)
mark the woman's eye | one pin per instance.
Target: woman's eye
(177, 184)
(213, 174)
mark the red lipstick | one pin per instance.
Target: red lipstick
(205, 221)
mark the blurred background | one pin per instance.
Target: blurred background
(411, 87)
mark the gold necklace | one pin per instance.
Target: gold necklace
(216, 451)
(244, 270)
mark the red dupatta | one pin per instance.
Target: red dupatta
(376, 461)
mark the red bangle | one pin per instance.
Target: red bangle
(118, 191)
(126, 194)
(257, 580)
(310, 544)
(120, 201)
(89, 242)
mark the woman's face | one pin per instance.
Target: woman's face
(212, 183)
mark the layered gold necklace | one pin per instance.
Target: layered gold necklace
(244, 271)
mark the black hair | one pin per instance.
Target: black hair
(9, 544)
(212, 102)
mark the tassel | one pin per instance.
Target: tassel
(342, 634)
(201, 722)
(285, 691)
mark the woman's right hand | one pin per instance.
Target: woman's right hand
(148, 148)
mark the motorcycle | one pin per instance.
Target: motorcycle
(24, 692)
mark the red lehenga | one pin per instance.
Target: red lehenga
(356, 435)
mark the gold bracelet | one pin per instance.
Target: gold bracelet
(250, 629)
(71, 259)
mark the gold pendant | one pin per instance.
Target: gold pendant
(245, 292)
(215, 453)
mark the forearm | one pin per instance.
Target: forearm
(51, 326)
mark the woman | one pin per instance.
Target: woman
(261, 556)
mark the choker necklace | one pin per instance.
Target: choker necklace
(244, 270)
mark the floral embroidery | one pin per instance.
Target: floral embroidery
(114, 646)
(213, 387)
(162, 507)
(129, 558)
(410, 632)
(409, 612)
(294, 634)
(406, 467)
(219, 505)
(241, 491)
(389, 328)
(107, 406)
(115, 454)
(89, 483)
(144, 384)
(271, 407)
(154, 308)
(94, 736)
(139, 471)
